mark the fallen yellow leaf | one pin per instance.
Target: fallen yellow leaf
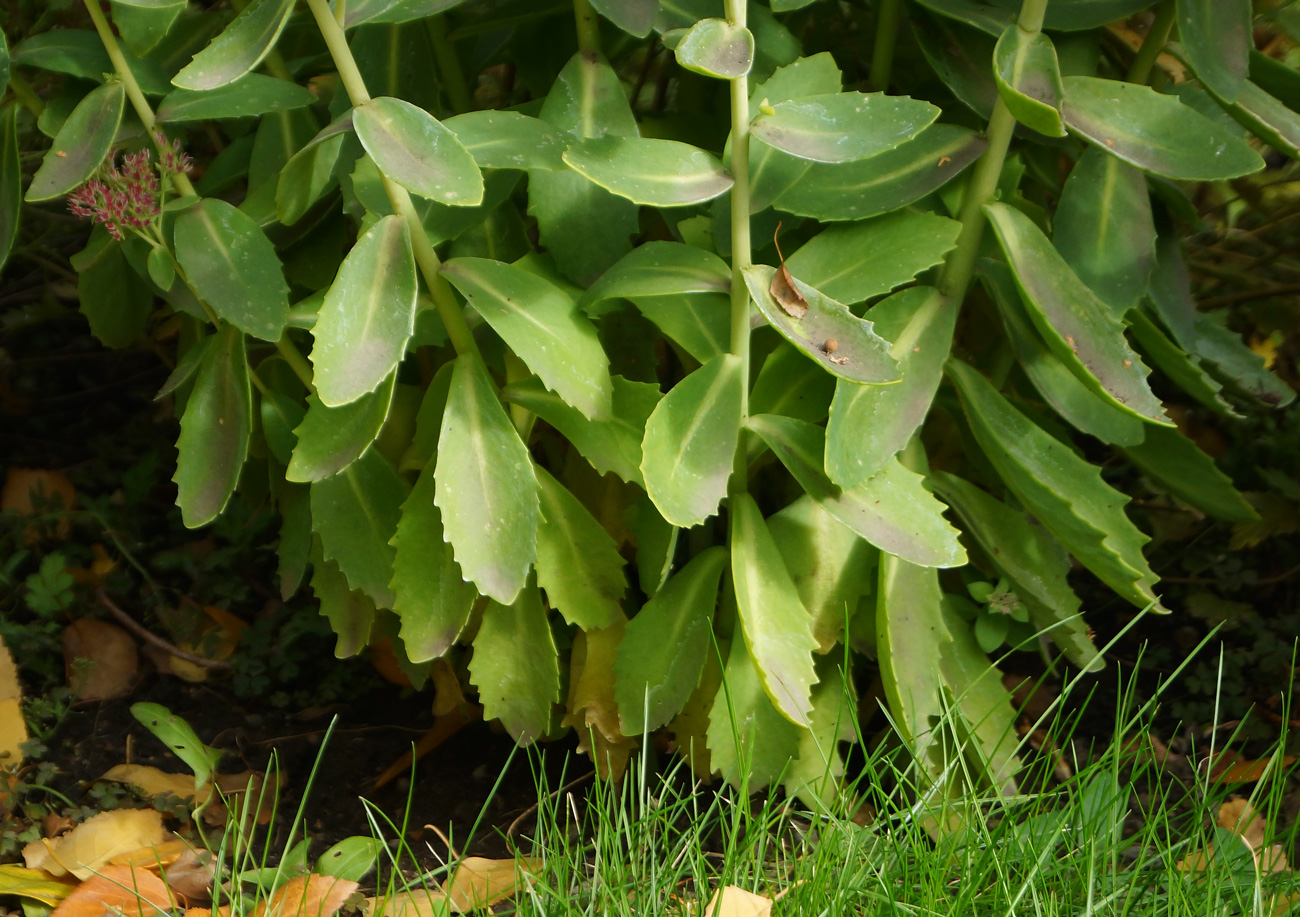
(13, 727)
(94, 842)
(32, 883)
(480, 882)
(732, 901)
(308, 896)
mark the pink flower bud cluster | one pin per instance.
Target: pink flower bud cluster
(128, 195)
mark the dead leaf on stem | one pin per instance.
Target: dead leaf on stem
(783, 290)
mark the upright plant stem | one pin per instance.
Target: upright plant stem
(1153, 44)
(453, 77)
(453, 319)
(882, 55)
(960, 266)
(741, 253)
(588, 24)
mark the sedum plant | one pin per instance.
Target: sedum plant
(491, 300)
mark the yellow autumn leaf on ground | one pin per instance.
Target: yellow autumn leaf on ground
(308, 896)
(731, 901)
(129, 891)
(477, 883)
(155, 856)
(592, 710)
(216, 641)
(95, 841)
(32, 883)
(13, 728)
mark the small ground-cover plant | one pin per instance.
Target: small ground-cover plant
(497, 430)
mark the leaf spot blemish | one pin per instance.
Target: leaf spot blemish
(831, 345)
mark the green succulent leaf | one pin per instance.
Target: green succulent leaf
(815, 777)
(215, 430)
(508, 140)
(1216, 39)
(239, 48)
(81, 144)
(420, 153)
(1078, 327)
(515, 666)
(843, 126)
(1155, 132)
(1230, 360)
(985, 719)
(331, 438)
(306, 177)
(144, 23)
(635, 17)
(486, 487)
(394, 12)
(660, 269)
(1080, 15)
(717, 48)
(1179, 366)
(793, 385)
(11, 181)
(350, 612)
(115, 300)
(1029, 79)
(690, 442)
(1177, 464)
(542, 325)
(988, 19)
(665, 645)
(659, 173)
(180, 737)
(578, 564)
(1267, 118)
(251, 95)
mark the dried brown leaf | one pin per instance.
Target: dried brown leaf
(100, 658)
(782, 288)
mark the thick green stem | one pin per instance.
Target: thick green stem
(882, 55)
(133, 91)
(453, 77)
(296, 362)
(741, 247)
(1153, 44)
(453, 319)
(23, 93)
(588, 24)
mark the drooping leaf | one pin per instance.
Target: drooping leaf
(578, 564)
(355, 513)
(11, 181)
(250, 95)
(114, 298)
(1104, 229)
(660, 269)
(368, 315)
(665, 645)
(542, 325)
(656, 545)
(515, 667)
(1178, 465)
(1155, 132)
(81, 143)
(1078, 327)
(892, 510)
(831, 567)
(1216, 39)
(239, 48)
(215, 431)
(430, 595)
(870, 424)
(843, 126)
(508, 140)
(690, 442)
(659, 173)
(1275, 77)
(748, 739)
(591, 709)
(1227, 357)
(1267, 118)
(1035, 563)
(856, 191)
(144, 23)
(394, 11)
(416, 150)
(330, 438)
(1060, 388)
(233, 267)
(351, 612)
(717, 48)
(612, 445)
(486, 488)
(1179, 366)
(294, 550)
(960, 58)
(1029, 79)
(633, 16)
(699, 322)
(843, 344)
(1064, 492)
(856, 261)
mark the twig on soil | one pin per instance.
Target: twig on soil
(150, 637)
(533, 808)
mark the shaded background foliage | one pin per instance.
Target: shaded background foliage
(550, 307)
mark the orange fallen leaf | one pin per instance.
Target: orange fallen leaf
(782, 288)
(732, 901)
(126, 890)
(1230, 767)
(308, 896)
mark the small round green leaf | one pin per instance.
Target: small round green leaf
(144, 23)
(658, 173)
(1029, 79)
(843, 126)
(81, 143)
(715, 47)
(416, 150)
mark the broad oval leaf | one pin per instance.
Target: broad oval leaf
(844, 345)
(960, 58)
(716, 47)
(690, 442)
(486, 487)
(515, 666)
(508, 140)
(233, 267)
(699, 322)
(81, 143)
(80, 53)
(855, 191)
(1079, 328)
(250, 95)
(394, 11)
(870, 424)
(988, 19)
(843, 126)
(777, 628)
(578, 564)
(307, 175)
(793, 385)
(414, 149)
(1155, 132)
(658, 173)
(542, 325)
(215, 430)
(664, 646)
(1029, 79)
(239, 48)
(144, 23)
(660, 269)
(115, 300)
(1104, 229)
(1216, 39)
(1181, 467)
(855, 262)
(1063, 491)
(11, 181)
(331, 438)
(368, 315)
(635, 17)
(893, 510)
